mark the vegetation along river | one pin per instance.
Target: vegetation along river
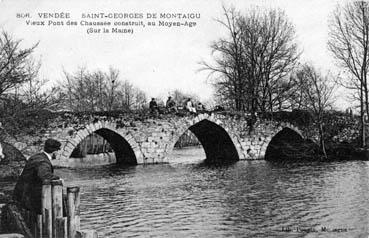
(247, 199)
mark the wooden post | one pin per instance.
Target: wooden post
(61, 227)
(39, 226)
(57, 203)
(77, 204)
(33, 224)
(28, 219)
(48, 229)
(73, 211)
(46, 208)
(87, 234)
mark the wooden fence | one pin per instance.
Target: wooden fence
(60, 214)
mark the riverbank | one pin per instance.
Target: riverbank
(297, 149)
(346, 151)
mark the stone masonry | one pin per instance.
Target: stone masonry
(151, 140)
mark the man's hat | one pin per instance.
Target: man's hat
(51, 145)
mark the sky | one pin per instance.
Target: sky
(156, 59)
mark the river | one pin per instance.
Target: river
(247, 199)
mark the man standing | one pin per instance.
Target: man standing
(38, 168)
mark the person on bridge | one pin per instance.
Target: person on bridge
(200, 107)
(189, 106)
(171, 105)
(38, 168)
(154, 109)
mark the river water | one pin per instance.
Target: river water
(247, 199)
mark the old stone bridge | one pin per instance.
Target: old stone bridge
(223, 137)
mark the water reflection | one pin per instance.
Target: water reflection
(247, 198)
(244, 199)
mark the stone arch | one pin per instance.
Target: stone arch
(286, 133)
(218, 142)
(253, 145)
(289, 126)
(125, 147)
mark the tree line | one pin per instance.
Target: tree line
(256, 66)
(21, 87)
(26, 99)
(100, 91)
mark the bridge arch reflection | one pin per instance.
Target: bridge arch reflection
(125, 148)
(218, 143)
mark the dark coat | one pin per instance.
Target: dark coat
(28, 189)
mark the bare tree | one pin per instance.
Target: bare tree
(99, 81)
(22, 91)
(74, 90)
(20, 86)
(126, 95)
(349, 44)
(131, 97)
(68, 86)
(34, 94)
(112, 86)
(99, 91)
(14, 64)
(230, 82)
(271, 53)
(140, 100)
(180, 97)
(254, 61)
(317, 89)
